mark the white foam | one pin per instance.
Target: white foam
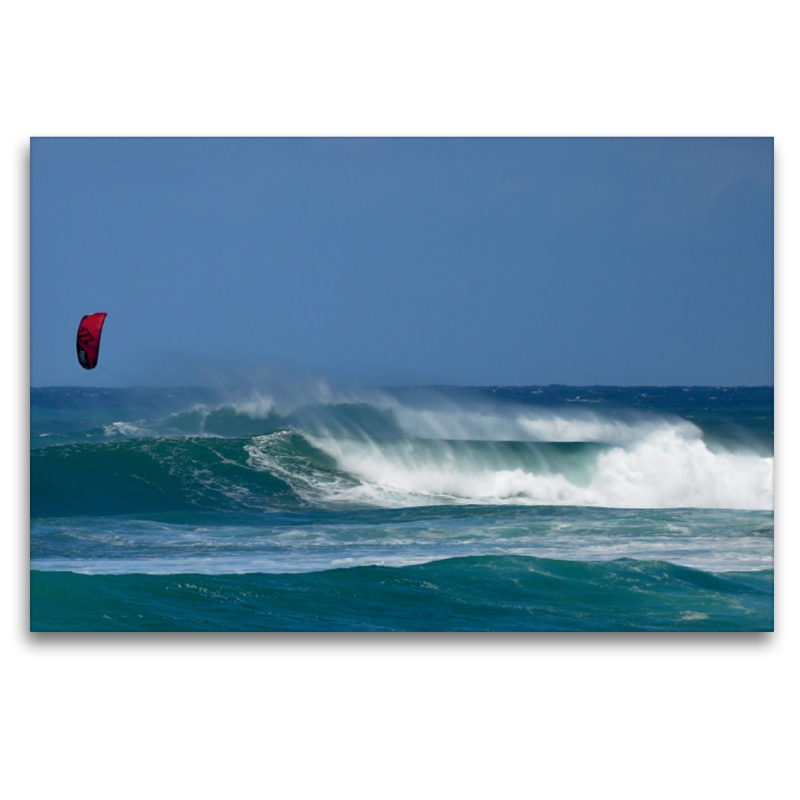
(668, 467)
(130, 429)
(715, 541)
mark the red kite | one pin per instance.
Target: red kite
(89, 339)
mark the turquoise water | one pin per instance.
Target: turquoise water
(536, 508)
(503, 593)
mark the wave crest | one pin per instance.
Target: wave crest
(665, 468)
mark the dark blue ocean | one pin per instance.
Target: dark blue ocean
(417, 509)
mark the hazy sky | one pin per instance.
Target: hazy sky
(389, 261)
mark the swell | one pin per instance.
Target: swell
(150, 477)
(508, 593)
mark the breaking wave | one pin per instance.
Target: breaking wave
(666, 468)
(382, 451)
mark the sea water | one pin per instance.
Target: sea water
(437, 508)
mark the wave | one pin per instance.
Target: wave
(666, 468)
(376, 449)
(287, 469)
(150, 477)
(510, 593)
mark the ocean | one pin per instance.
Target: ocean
(549, 508)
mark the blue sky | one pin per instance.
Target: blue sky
(397, 261)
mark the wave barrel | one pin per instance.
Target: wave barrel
(88, 342)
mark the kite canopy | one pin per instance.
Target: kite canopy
(89, 339)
